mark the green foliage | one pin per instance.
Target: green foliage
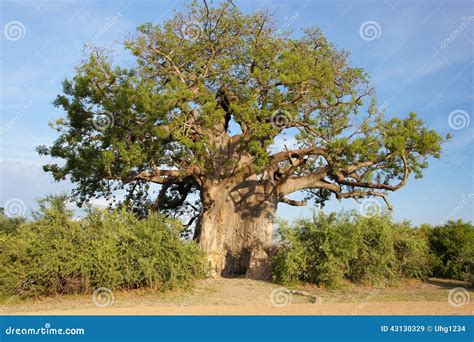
(290, 261)
(316, 250)
(328, 249)
(375, 260)
(452, 245)
(55, 254)
(191, 75)
(10, 225)
(412, 252)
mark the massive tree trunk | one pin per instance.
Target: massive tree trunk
(235, 229)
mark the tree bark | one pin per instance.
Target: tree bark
(235, 229)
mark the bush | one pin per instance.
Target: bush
(9, 225)
(327, 249)
(315, 250)
(452, 246)
(289, 262)
(412, 252)
(56, 254)
(375, 261)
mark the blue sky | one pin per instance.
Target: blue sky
(419, 55)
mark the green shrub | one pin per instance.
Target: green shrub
(412, 252)
(316, 250)
(290, 260)
(9, 225)
(56, 254)
(327, 249)
(374, 262)
(452, 246)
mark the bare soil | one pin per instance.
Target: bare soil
(239, 296)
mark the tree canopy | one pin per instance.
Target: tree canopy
(167, 117)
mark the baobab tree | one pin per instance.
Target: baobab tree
(198, 112)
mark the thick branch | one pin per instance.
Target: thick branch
(285, 155)
(247, 170)
(316, 180)
(158, 176)
(293, 203)
(313, 180)
(182, 188)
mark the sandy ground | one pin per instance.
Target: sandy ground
(250, 297)
(388, 308)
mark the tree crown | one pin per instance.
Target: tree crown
(167, 119)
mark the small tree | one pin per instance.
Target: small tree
(167, 119)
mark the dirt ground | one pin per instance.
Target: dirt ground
(249, 297)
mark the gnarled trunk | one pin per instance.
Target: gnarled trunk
(235, 230)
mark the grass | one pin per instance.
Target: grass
(239, 291)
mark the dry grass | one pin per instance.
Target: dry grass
(245, 296)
